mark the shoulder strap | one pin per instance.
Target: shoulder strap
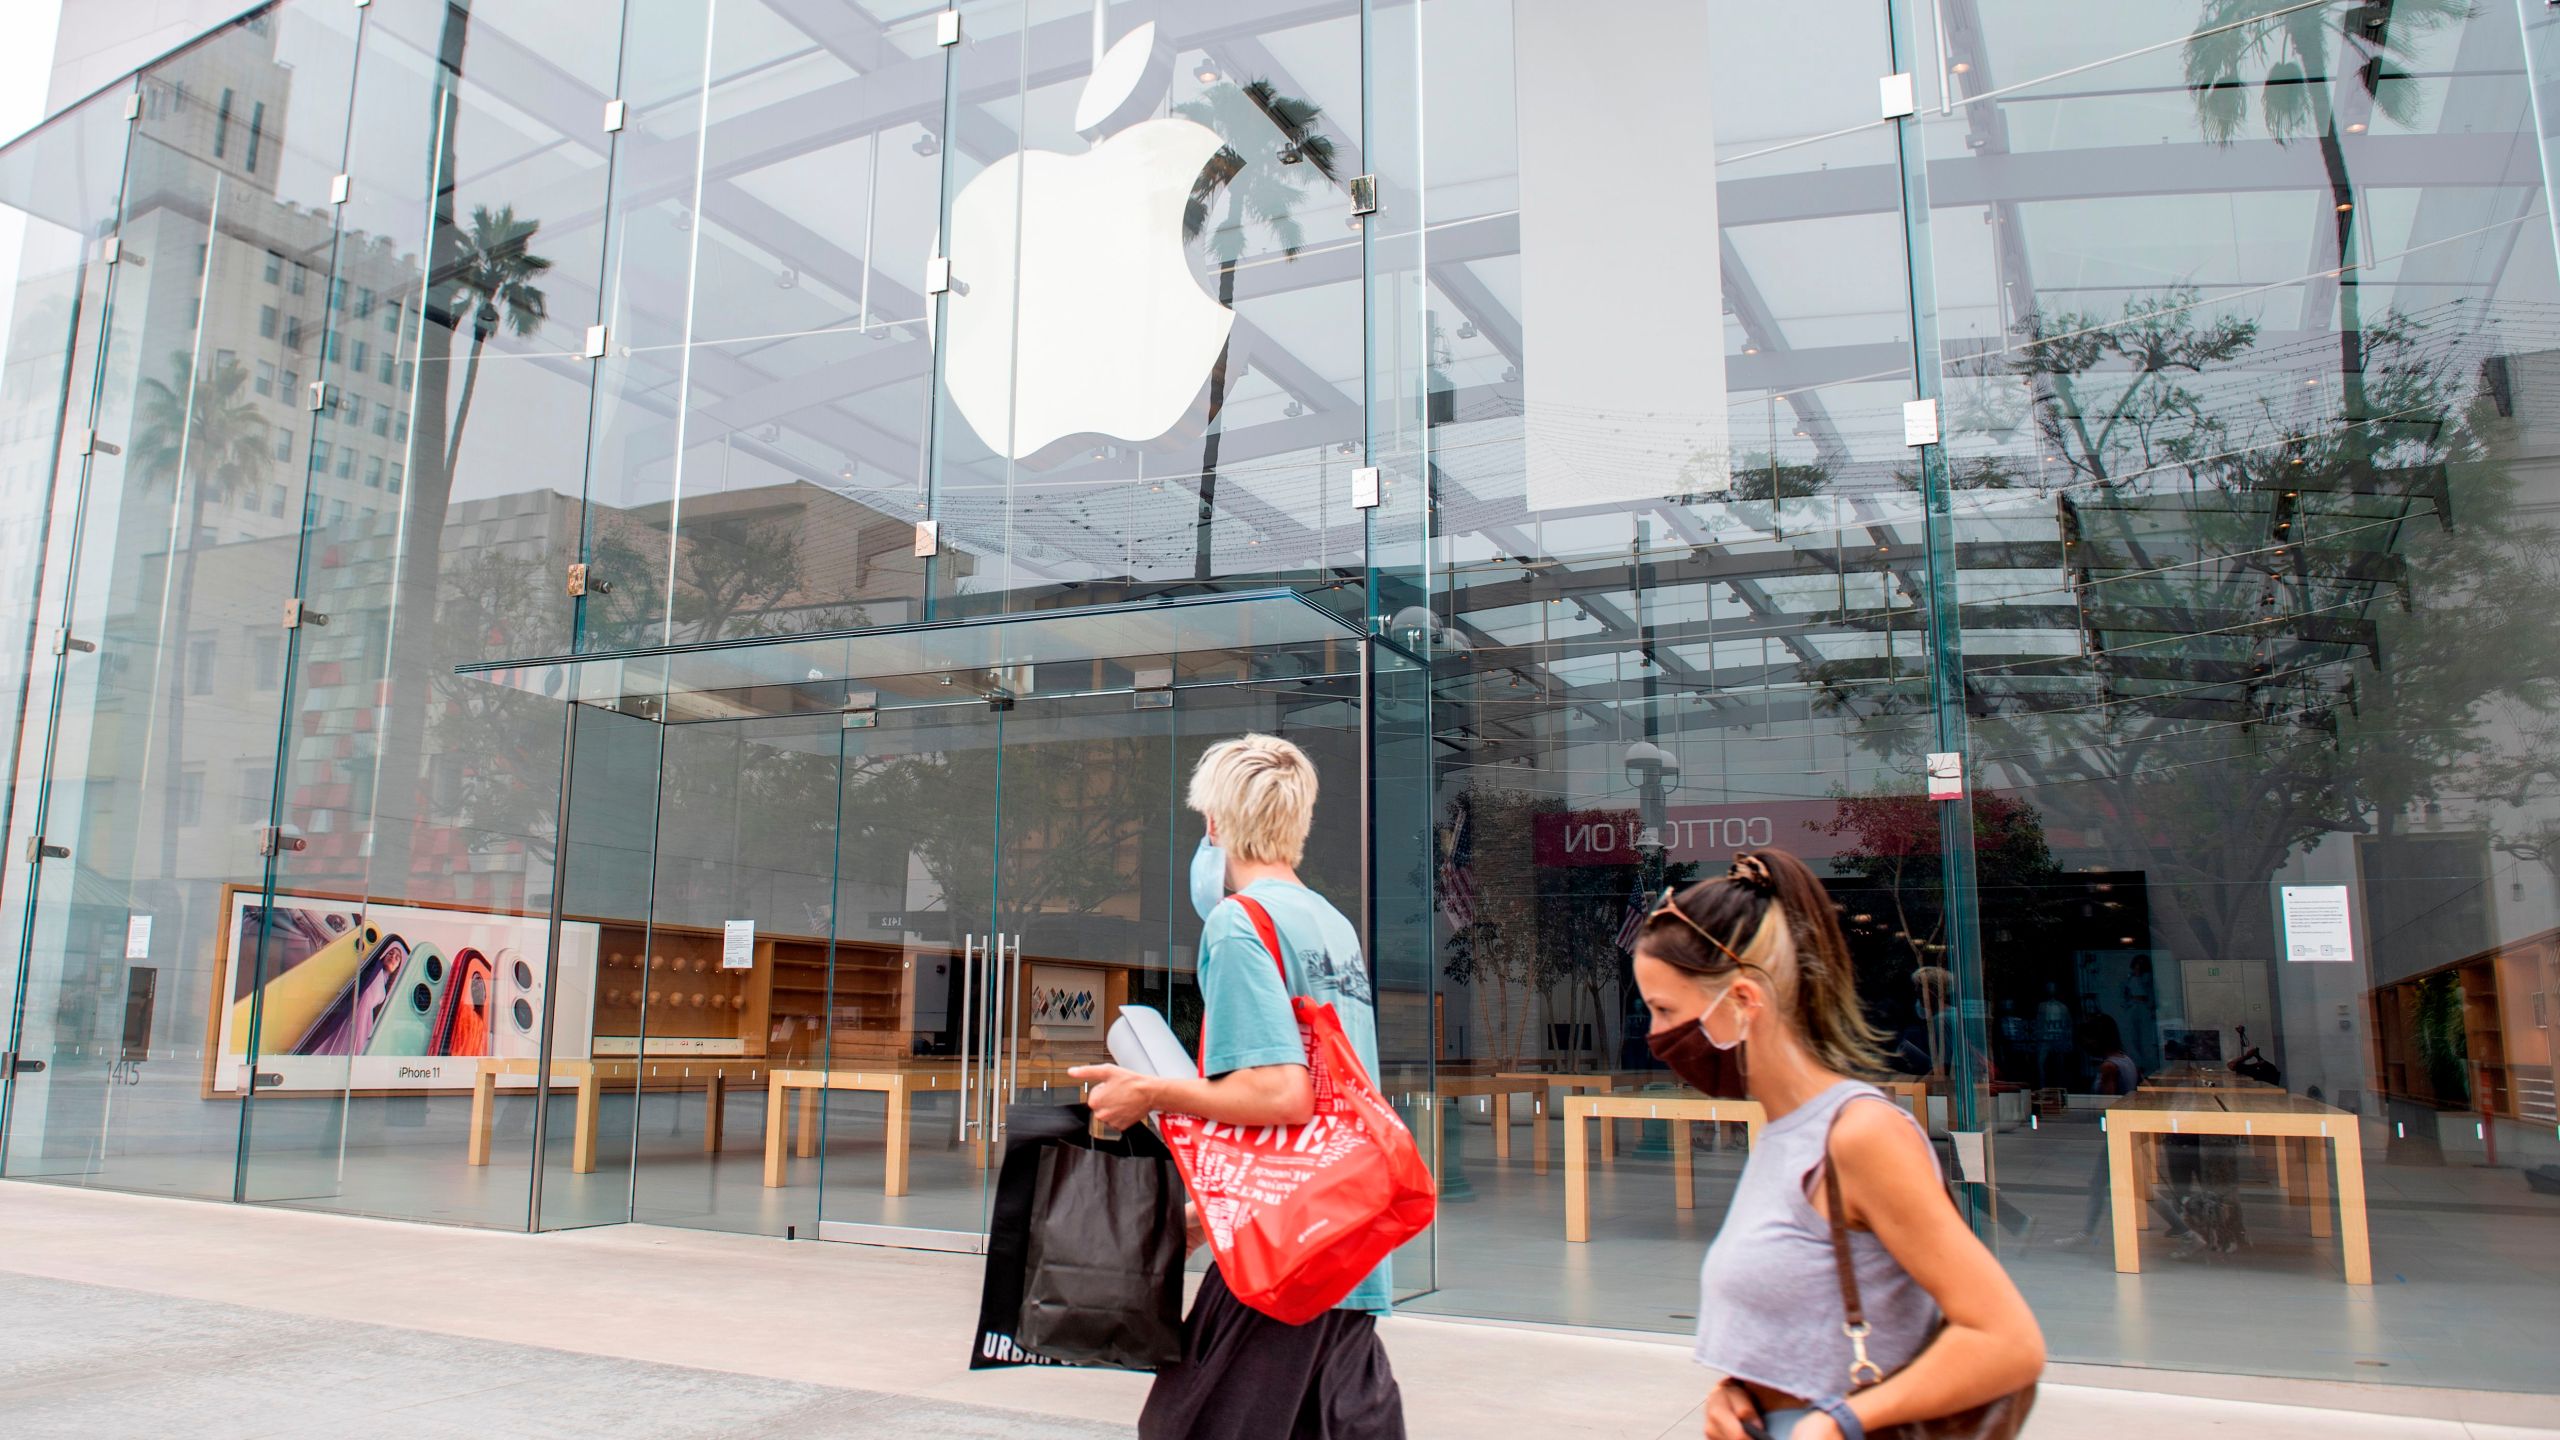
(1849, 1302)
(1269, 932)
(1270, 936)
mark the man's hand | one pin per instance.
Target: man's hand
(1121, 1099)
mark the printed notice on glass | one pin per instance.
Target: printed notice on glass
(2315, 923)
(137, 937)
(738, 945)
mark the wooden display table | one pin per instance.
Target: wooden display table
(898, 1084)
(1558, 1085)
(1681, 1108)
(484, 1106)
(592, 1076)
(2260, 1114)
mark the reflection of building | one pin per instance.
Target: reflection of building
(2223, 576)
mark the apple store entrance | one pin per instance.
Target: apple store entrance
(829, 903)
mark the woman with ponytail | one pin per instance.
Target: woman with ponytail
(1939, 1332)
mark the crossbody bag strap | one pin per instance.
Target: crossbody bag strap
(1270, 936)
(1863, 1372)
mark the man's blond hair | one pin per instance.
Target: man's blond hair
(1260, 791)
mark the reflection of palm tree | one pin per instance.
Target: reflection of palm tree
(2284, 49)
(492, 276)
(482, 274)
(1272, 146)
(203, 435)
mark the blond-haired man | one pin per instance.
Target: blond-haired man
(1244, 1375)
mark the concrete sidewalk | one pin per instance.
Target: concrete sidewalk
(122, 1315)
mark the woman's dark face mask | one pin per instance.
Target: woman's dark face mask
(1694, 1058)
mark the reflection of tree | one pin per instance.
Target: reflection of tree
(504, 744)
(2245, 691)
(740, 567)
(201, 433)
(481, 274)
(2285, 51)
(1263, 171)
(1072, 812)
(1895, 850)
(1537, 928)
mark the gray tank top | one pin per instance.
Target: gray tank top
(1769, 1295)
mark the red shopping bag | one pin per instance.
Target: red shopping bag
(1298, 1215)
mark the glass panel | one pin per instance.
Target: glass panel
(736, 956)
(1152, 375)
(1676, 578)
(759, 449)
(61, 186)
(922, 855)
(2254, 600)
(449, 354)
(608, 862)
(163, 770)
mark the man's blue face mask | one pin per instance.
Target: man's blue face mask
(1208, 876)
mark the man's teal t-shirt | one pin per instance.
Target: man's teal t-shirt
(1246, 1013)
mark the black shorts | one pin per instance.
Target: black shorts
(1246, 1376)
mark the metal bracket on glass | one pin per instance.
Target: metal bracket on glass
(64, 642)
(1364, 194)
(273, 841)
(340, 187)
(862, 710)
(1920, 422)
(317, 399)
(582, 582)
(597, 335)
(1897, 96)
(297, 615)
(1364, 488)
(90, 444)
(1946, 775)
(1154, 689)
(928, 538)
(133, 105)
(617, 113)
(39, 852)
(946, 28)
(937, 275)
(110, 249)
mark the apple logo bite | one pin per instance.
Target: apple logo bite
(1097, 325)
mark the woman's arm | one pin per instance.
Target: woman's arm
(1991, 1344)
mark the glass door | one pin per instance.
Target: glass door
(920, 989)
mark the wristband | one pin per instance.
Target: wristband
(1844, 1417)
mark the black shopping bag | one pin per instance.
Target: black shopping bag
(1084, 1247)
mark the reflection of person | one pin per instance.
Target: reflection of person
(2053, 1037)
(1927, 1045)
(1244, 1375)
(2142, 1012)
(1759, 954)
(2117, 1074)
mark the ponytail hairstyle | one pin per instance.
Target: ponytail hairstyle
(1771, 914)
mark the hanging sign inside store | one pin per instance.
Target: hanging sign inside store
(2316, 927)
(738, 945)
(137, 937)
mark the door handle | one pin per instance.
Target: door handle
(1012, 1057)
(968, 1002)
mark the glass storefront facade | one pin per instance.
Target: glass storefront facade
(603, 610)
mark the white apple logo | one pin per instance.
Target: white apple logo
(1098, 326)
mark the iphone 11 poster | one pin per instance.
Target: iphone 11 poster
(380, 997)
